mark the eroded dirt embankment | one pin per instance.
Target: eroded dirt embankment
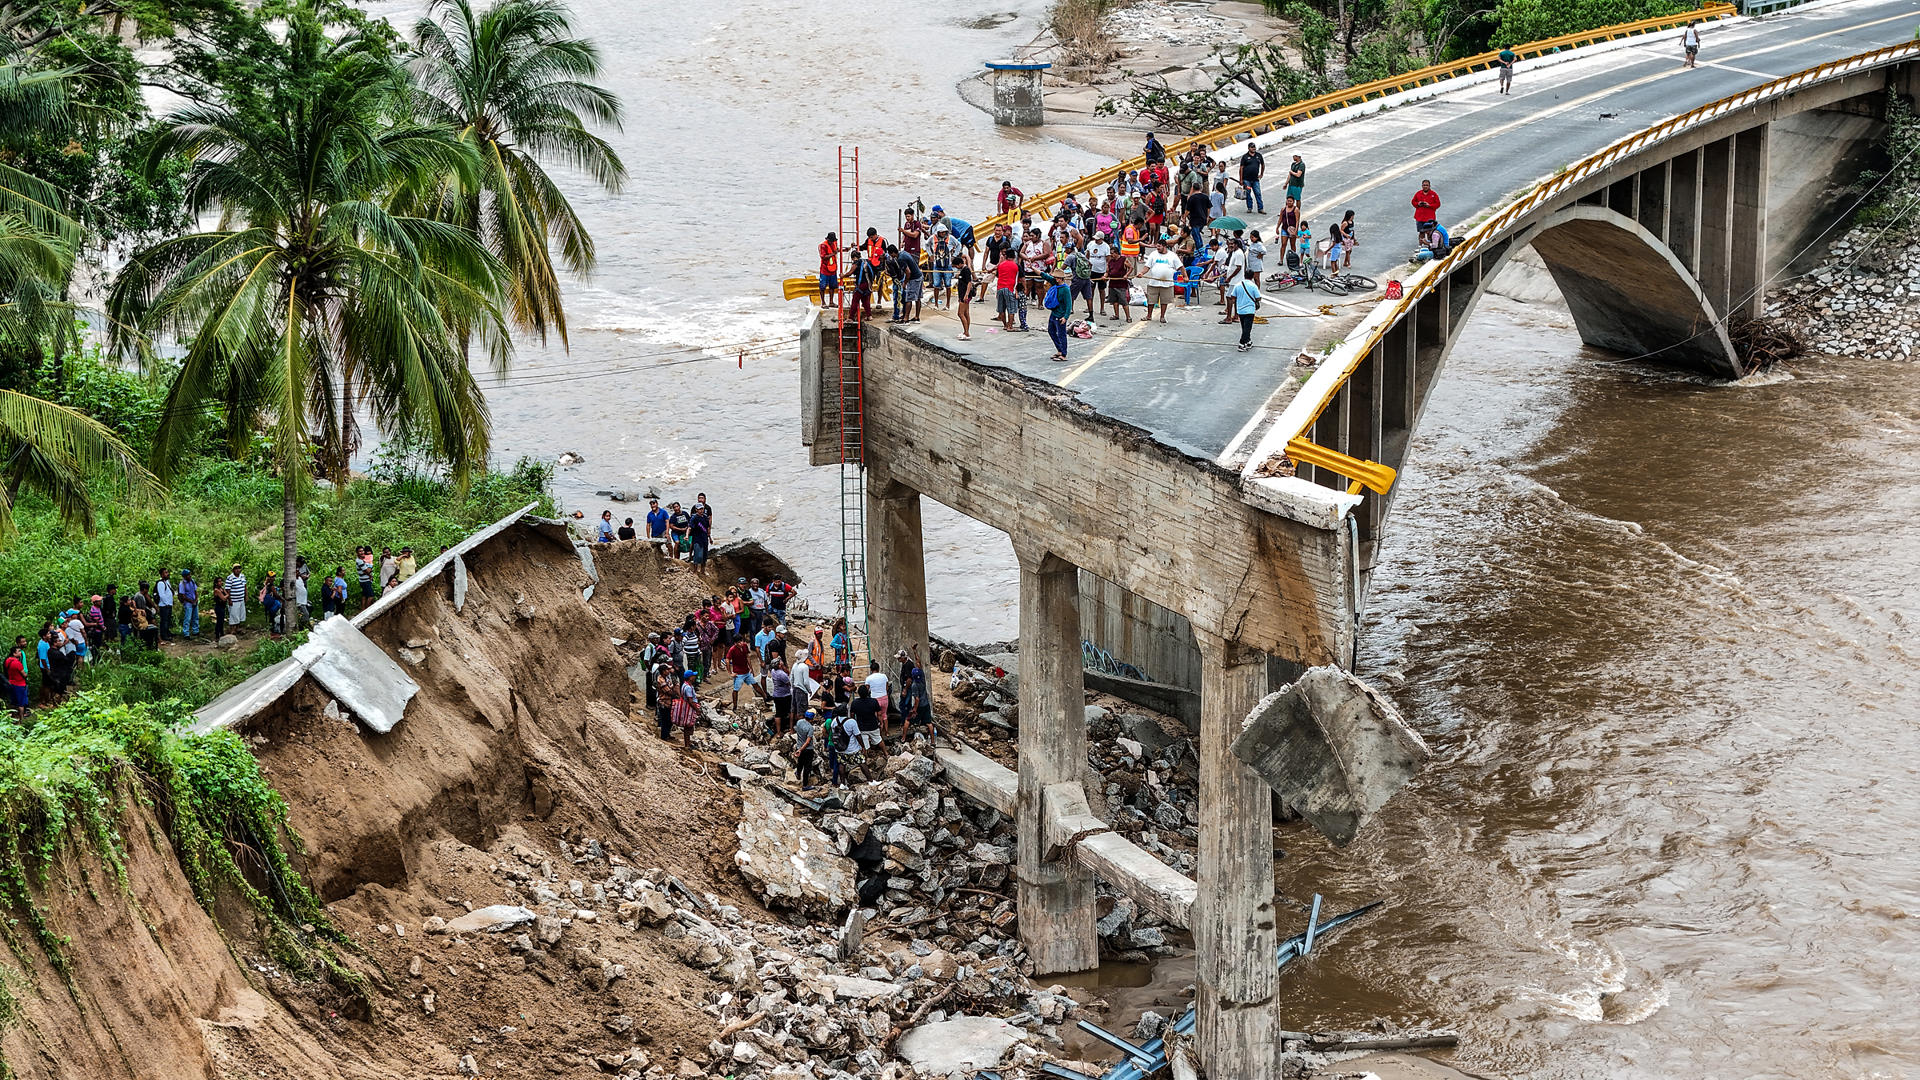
(517, 747)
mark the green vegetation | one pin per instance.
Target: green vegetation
(70, 778)
(1891, 195)
(1340, 43)
(380, 213)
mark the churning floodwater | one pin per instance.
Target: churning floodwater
(1659, 633)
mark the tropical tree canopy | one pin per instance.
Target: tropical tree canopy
(312, 297)
(514, 82)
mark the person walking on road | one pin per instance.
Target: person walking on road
(1690, 41)
(1245, 298)
(1296, 178)
(1253, 166)
(1426, 209)
(1507, 59)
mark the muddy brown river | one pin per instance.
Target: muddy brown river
(1660, 634)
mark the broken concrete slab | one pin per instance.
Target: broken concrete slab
(358, 673)
(1333, 747)
(459, 584)
(788, 861)
(750, 559)
(491, 919)
(961, 1045)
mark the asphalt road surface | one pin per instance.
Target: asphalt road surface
(1184, 381)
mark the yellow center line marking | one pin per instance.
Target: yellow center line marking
(1118, 340)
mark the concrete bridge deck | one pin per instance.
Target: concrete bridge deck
(1184, 383)
(1129, 462)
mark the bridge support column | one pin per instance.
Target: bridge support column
(896, 570)
(1055, 898)
(1748, 263)
(1716, 224)
(1683, 210)
(1233, 924)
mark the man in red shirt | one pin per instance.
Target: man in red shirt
(830, 250)
(1009, 196)
(1426, 209)
(17, 677)
(740, 663)
(1007, 278)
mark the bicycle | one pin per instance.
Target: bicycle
(1309, 274)
(1355, 282)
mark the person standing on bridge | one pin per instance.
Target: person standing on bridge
(1159, 271)
(1058, 300)
(1009, 196)
(1245, 298)
(1296, 179)
(1507, 60)
(1690, 41)
(1007, 278)
(1426, 209)
(1253, 166)
(830, 250)
(1154, 152)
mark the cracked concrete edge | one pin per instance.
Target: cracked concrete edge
(259, 691)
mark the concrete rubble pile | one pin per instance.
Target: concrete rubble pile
(1862, 301)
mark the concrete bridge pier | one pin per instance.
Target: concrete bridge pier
(1055, 898)
(1233, 925)
(896, 570)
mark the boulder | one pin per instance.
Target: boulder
(962, 1044)
(1333, 747)
(788, 861)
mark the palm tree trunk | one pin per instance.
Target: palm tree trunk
(289, 541)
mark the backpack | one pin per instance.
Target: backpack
(1053, 300)
(842, 738)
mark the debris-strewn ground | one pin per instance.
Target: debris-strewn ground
(1863, 300)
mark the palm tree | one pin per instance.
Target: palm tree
(44, 447)
(310, 275)
(56, 451)
(515, 83)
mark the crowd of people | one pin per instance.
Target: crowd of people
(183, 606)
(783, 686)
(683, 532)
(1154, 235)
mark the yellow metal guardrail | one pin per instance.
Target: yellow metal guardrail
(1043, 203)
(1379, 477)
(1350, 96)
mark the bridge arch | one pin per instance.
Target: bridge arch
(1628, 292)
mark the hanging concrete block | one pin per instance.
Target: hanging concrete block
(459, 583)
(358, 673)
(1333, 747)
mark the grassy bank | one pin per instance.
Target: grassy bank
(219, 512)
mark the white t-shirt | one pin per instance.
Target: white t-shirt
(1097, 253)
(1235, 262)
(877, 685)
(1161, 267)
(299, 592)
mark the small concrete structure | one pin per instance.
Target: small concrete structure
(1333, 748)
(1019, 97)
(358, 673)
